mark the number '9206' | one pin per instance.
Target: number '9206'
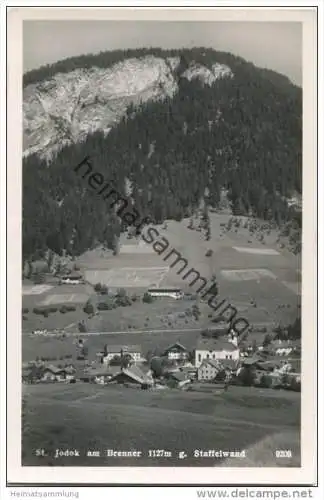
(283, 454)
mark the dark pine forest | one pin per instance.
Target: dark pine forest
(242, 134)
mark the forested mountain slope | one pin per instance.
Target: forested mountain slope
(163, 126)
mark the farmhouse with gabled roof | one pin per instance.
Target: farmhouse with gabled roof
(215, 349)
(176, 351)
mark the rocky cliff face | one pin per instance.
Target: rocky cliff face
(69, 106)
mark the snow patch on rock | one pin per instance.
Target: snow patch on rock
(205, 75)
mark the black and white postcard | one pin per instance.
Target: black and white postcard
(162, 246)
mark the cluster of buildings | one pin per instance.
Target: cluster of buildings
(133, 374)
(217, 360)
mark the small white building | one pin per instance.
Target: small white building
(284, 348)
(75, 279)
(172, 293)
(283, 351)
(209, 348)
(113, 351)
(176, 351)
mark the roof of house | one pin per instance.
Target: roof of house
(140, 370)
(188, 367)
(212, 344)
(179, 376)
(220, 363)
(229, 363)
(174, 346)
(268, 365)
(264, 353)
(54, 369)
(69, 369)
(171, 369)
(252, 360)
(136, 373)
(215, 363)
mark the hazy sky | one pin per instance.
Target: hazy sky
(273, 45)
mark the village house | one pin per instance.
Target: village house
(284, 348)
(71, 279)
(285, 379)
(39, 332)
(292, 368)
(178, 379)
(97, 373)
(118, 351)
(53, 373)
(69, 372)
(211, 368)
(210, 348)
(134, 375)
(255, 361)
(208, 369)
(176, 352)
(190, 370)
(50, 373)
(294, 376)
